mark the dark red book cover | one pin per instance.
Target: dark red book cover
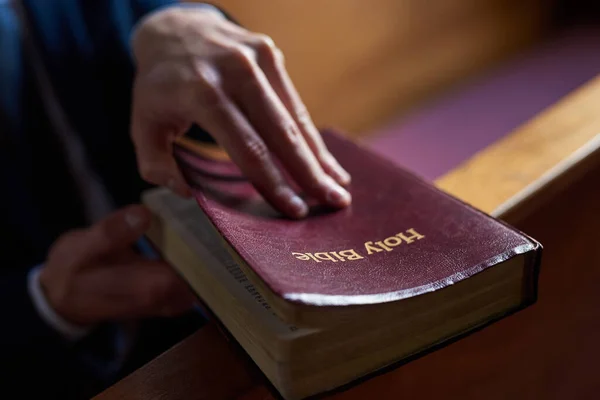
(401, 236)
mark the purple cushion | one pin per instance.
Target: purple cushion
(437, 138)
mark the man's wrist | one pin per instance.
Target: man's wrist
(47, 313)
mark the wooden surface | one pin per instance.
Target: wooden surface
(509, 178)
(357, 63)
(548, 351)
(204, 366)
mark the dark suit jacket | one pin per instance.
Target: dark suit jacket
(84, 48)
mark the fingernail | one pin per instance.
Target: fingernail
(298, 207)
(338, 196)
(133, 219)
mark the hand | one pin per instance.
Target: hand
(194, 66)
(94, 275)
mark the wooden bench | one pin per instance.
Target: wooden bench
(543, 178)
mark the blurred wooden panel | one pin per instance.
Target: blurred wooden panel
(357, 63)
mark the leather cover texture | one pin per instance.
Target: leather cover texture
(401, 236)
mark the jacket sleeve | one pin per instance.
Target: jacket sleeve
(31, 351)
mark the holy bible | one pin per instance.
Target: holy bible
(320, 302)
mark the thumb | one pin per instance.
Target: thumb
(116, 232)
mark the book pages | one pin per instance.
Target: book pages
(187, 219)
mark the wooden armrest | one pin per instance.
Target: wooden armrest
(206, 365)
(515, 175)
(546, 351)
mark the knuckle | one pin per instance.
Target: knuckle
(266, 49)
(206, 74)
(244, 57)
(291, 134)
(264, 41)
(264, 44)
(239, 63)
(208, 83)
(303, 115)
(257, 152)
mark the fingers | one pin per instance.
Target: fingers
(271, 61)
(137, 289)
(94, 275)
(111, 235)
(145, 288)
(245, 147)
(281, 134)
(231, 82)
